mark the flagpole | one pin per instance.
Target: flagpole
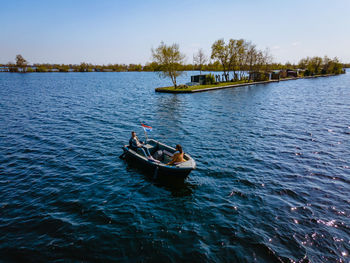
(145, 135)
(144, 130)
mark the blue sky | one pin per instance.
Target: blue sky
(106, 31)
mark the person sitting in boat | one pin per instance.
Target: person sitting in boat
(178, 156)
(135, 143)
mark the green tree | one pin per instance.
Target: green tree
(241, 49)
(233, 56)
(251, 57)
(85, 67)
(41, 68)
(315, 65)
(215, 66)
(220, 52)
(303, 63)
(151, 67)
(134, 67)
(170, 61)
(335, 66)
(63, 68)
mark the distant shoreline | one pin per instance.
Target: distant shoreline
(6, 70)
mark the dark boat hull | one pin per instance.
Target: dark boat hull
(154, 168)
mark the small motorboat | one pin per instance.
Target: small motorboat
(161, 155)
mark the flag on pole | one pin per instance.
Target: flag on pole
(146, 128)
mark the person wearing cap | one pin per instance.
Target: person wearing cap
(135, 143)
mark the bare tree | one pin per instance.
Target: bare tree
(268, 59)
(21, 62)
(170, 60)
(260, 61)
(200, 59)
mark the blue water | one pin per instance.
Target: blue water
(272, 183)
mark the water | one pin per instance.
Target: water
(272, 183)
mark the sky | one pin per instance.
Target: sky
(113, 31)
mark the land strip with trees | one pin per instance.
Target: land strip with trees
(243, 63)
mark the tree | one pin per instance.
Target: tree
(41, 68)
(151, 67)
(63, 68)
(21, 62)
(134, 67)
(200, 59)
(170, 61)
(242, 55)
(318, 65)
(303, 63)
(327, 63)
(267, 60)
(336, 67)
(251, 57)
(314, 65)
(85, 67)
(233, 56)
(220, 52)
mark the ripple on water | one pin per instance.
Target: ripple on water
(271, 185)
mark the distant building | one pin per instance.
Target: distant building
(259, 76)
(275, 74)
(199, 79)
(285, 73)
(4, 69)
(292, 73)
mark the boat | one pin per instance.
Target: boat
(161, 155)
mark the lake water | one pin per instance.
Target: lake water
(272, 183)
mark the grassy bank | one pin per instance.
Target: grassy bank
(199, 87)
(223, 85)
